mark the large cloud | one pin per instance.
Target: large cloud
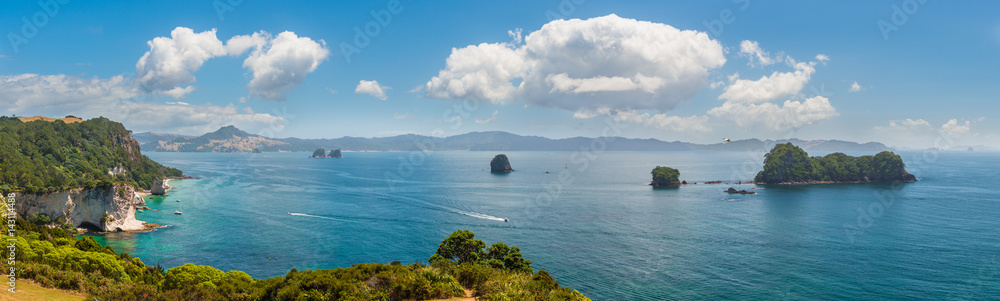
(283, 64)
(61, 95)
(748, 101)
(277, 64)
(479, 72)
(171, 62)
(585, 65)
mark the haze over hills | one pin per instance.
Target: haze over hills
(232, 139)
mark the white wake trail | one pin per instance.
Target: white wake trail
(316, 216)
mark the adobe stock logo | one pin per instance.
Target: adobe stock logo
(30, 27)
(899, 17)
(363, 38)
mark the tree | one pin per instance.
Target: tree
(88, 244)
(463, 246)
(189, 275)
(787, 163)
(507, 257)
(665, 176)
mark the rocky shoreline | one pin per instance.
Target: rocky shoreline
(682, 183)
(836, 182)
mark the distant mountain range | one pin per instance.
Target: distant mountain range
(232, 139)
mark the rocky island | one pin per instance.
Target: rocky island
(665, 177)
(789, 164)
(500, 164)
(734, 191)
(319, 153)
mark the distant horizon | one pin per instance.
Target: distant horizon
(585, 137)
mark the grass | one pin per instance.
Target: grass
(66, 120)
(29, 291)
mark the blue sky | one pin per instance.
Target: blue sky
(660, 70)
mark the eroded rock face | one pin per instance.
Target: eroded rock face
(158, 188)
(500, 164)
(109, 208)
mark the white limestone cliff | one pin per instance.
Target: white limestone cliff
(109, 208)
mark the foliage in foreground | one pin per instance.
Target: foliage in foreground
(788, 163)
(55, 259)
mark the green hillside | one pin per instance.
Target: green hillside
(42, 156)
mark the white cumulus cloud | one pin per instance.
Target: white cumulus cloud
(791, 114)
(757, 56)
(172, 61)
(277, 64)
(777, 85)
(283, 64)
(479, 72)
(953, 127)
(609, 61)
(373, 88)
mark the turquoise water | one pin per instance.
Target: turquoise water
(593, 222)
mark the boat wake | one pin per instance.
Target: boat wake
(449, 206)
(316, 216)
(482, 216)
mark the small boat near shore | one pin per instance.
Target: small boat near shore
(177, 212)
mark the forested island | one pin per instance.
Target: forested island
(665, 176)
(789, 164)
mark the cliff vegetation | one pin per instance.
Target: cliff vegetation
(46, 156)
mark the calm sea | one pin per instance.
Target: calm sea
(591, 221)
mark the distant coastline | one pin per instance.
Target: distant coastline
(230, 139)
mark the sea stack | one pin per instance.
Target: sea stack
(319, 153)
(158, 187)
(500, 164)
(335, 154)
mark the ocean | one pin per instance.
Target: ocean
(591, 220)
